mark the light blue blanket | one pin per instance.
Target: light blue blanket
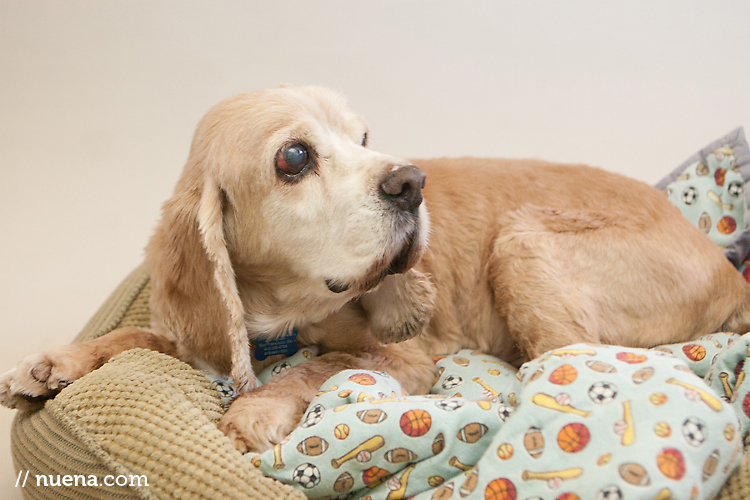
(599, 422)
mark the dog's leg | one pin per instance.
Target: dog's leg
(561, 277)
(40, 376)
(542, 303)
(262, 418)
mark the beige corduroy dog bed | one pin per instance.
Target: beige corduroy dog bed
(151, 417)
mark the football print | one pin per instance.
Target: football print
(314, 416)
(689, 196)
(452, 381)
(306, 475)
(603, 392)
(694, 431)
(398, 455)
(533, 441)
(449, 404)
(472, 433)
(313, 446)
(344, 482)
(372, 416)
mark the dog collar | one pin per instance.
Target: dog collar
(285, 344)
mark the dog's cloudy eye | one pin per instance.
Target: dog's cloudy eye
(364, 140)
(292, 159)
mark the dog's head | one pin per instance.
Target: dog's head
(282, 215)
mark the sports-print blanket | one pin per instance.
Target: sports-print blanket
(599, 422)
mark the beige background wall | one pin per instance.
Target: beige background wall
(98, 100)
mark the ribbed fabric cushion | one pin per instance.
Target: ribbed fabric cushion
(737, 486)
(143, 413)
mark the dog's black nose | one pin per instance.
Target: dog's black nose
(403, 187)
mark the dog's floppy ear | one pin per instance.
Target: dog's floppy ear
(400, 307)
(194, 291)
(211, 224)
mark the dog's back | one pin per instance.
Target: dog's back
(537, 255)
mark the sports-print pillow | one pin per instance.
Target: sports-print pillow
(709, 188)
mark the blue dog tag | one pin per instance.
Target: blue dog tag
(284, 344)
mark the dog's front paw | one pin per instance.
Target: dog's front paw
(256, 422)
(39, 377)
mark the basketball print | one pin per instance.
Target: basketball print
(362, 379)
(563, 375)
(631, 357)
(568, 496)
(671, 463)
(573, 437)
(694, 352)
(726, 225)
(719, 176)
(500, 489)
(415, 423)
(374, 476)
(746, 405)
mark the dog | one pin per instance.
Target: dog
(285, 219)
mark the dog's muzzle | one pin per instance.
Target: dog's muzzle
(401, 188)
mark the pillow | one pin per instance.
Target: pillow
(709, 188)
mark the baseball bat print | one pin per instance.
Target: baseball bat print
(558, 474)
(548, 401)
(706, 397)
(372, 444)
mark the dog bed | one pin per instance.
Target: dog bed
(148, 420)
(145, 413)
